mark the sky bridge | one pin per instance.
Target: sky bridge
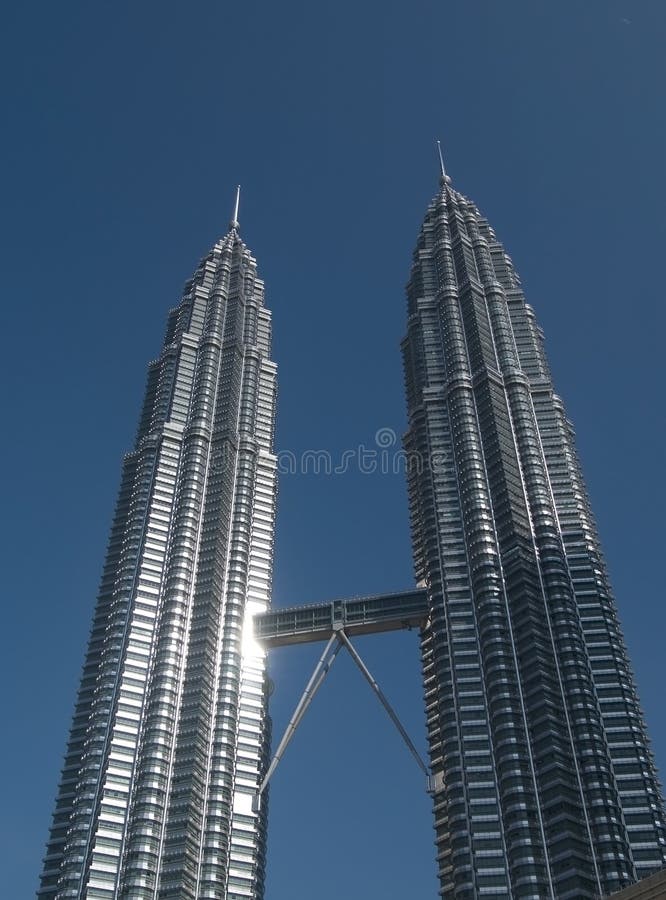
(359, 615)
(336, 622)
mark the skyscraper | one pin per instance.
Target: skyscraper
(542, 778)
(170, 731)
(545, 785)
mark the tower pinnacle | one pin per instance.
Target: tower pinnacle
(444, 178)
(234, 225)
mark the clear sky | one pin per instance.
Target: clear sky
(126, 129)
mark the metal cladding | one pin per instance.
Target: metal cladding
(545, 783)
(170, 733)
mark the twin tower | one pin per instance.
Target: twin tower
(542, 779)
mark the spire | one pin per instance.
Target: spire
(443, 177)
(234, 225)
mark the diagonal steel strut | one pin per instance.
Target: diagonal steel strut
(320, 672)
(382, 699)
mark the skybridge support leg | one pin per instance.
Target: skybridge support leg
(340, 639)
(321, 671)
(384, 702)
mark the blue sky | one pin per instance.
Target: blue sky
(127, 127)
